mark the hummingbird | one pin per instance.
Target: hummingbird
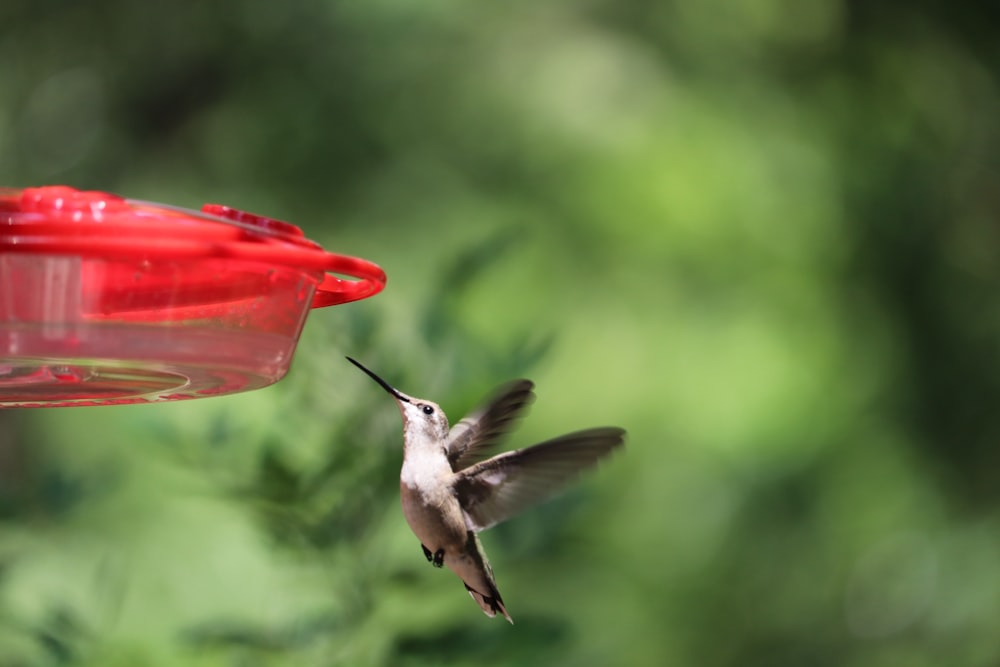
(451, 489)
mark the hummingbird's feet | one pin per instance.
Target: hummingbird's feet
(437, 557)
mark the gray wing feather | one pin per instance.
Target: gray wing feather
(495, 490)
(472, 438)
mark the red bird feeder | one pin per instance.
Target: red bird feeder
(106, 300)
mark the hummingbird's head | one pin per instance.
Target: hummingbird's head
(423, 421)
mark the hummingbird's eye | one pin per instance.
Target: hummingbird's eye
(428, 410)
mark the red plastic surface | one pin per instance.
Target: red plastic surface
(63, 220)
(110, 300)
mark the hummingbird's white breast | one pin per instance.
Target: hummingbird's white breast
(426, 470)
(428, 499)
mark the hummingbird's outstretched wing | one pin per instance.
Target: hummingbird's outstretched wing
(472, 438)
(494, 490)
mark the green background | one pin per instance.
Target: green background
(762, 235)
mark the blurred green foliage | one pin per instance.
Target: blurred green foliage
(762, 235)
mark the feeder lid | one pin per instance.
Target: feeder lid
(63, 220)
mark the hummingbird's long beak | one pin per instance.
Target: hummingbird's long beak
(385, 385)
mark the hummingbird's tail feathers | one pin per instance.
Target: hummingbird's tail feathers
(490, 604)
(494, 490)
(473, 567)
